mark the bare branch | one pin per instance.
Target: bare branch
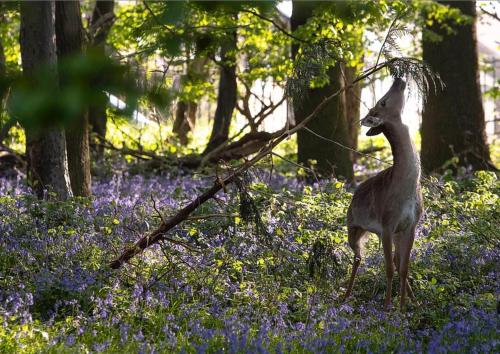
(158, 234)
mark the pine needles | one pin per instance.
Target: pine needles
(314, 59)
(311, 63)
(413, 70)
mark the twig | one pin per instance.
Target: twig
(344, 146)
(385, 39)
(292, 162)
(276, 25)
(157, 211)
(494, 15)
(210, 216)
(181, 243)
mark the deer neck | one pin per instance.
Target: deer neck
(406, 165)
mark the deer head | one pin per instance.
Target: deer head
(387, 110)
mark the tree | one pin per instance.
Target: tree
(45, 149)
(5, 127)
(353, 105)
(2, 58)
(69, 37)
(226, 99)
(100, 25)
(331, 123)
(453, 119)
(185, 113)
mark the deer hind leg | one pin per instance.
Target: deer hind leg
(389, 267)
(397, 261)
(405, 246)
(354, 236)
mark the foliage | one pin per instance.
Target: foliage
(262, 267)
(9, 27)
(223, 284)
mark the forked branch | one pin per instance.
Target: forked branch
(159, 234)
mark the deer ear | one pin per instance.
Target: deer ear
(374, 131)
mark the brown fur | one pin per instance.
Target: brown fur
(390, 203)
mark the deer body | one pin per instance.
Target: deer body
(390, 203)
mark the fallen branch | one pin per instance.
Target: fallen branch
(11, 160)
(4, 132)
(138, 153)
(159, 234)
(249, 144)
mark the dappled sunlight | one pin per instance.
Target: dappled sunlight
(249, 177)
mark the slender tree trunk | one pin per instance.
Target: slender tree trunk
(226, 99)
(9, 123)
(69, 37)
(353, 105)
(453, 119)
(181, 126)
(101, 22)
(185, 114)
(3, 71)
(2, 59)
(191, 114)
(45, 150)
(331, 123)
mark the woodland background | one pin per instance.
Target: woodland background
(174, 176)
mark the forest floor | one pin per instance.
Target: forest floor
(260, 269)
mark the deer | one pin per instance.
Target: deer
(390, 203)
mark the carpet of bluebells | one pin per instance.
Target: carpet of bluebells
(261, 268)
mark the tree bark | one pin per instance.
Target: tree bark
(185, 114)
(69, 38)
(5, 127)
(226, 100)
(331, 123)
(453, 119)
(353, 105)
(3, 71)
(100, 25)
(2, 59)
(181, 126)
(45, 150)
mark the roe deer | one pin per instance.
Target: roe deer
(390, 203)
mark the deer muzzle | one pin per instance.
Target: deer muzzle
(371, 121)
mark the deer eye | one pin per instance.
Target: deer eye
(382, 103)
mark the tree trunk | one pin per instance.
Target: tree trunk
(2, 59)
(331, 123)
(69, 37)
(453, 119)
(100, 25)
(45, 150)
(185, 114)
(191, 114)
(5, 127)
(353, 105)
(226, 100)
(3, 71)
(181, 126)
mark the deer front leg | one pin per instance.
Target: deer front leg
(389, 267)
(355, 266)
(355, 234)
(405, 246)
(409, 291)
